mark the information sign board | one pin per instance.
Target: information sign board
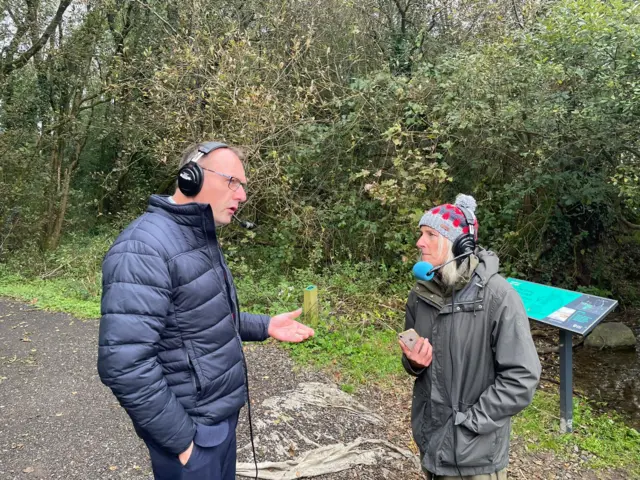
(573, 311)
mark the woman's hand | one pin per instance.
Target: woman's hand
(421, 354)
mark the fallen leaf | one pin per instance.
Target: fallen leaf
(113, 467)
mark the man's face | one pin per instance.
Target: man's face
(433, 246)
(215, 191)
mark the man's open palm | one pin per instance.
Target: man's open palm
(285, 328)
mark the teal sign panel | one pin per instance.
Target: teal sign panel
(572, 311)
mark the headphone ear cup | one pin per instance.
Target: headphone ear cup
(463, 244)
(190, 179)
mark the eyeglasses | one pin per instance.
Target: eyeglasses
(234, 182)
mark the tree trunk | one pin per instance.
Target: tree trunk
(60, 214)
(53, 190)
(58, 220)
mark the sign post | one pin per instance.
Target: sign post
(310, 305)
(571, 312)
(566, 381)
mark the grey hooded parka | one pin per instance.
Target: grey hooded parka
(485, 369)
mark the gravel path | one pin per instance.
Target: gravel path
(57, 420)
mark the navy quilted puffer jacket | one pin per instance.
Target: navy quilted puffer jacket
(170, 337)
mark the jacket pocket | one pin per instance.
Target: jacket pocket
(469, 449)
(473, 450)
(501, 452)
(195, 380)
(420, 415)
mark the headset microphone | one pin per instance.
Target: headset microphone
(245, 224)
(425, 271)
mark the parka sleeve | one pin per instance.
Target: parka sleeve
(410, 322)
(253, 327)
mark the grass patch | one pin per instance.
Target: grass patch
(58, 294)
(362, 310)
(361, 313)
(357, 356)
(608, 442)
(66, 280)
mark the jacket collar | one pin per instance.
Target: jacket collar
(489, 265)
(188, 214)
(479, 269)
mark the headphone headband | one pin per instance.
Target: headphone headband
(206, 148)
(471, 221)
(209, 147)
(465, 243)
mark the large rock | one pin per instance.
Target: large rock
(611, 335)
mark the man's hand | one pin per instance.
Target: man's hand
(421, 354)
(186, 455)
(283, 327)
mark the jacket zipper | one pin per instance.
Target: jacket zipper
(228, 293)
(196, 382)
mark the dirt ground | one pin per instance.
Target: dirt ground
(57, 421)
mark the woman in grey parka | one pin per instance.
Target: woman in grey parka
(475, 362)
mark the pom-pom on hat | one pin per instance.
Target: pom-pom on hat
(449, 220)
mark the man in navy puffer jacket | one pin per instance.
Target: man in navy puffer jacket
(170, 334)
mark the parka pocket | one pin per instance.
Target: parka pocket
(420, 415)
(471, 449)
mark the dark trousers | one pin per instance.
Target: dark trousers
(213, 457)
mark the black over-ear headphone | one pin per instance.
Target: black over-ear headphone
(466, 243)
(190, 176)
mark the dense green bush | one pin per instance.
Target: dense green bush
(355, 121)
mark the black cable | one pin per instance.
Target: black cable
(253, 447)
(454, 410)
(246, 377)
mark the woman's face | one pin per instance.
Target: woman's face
(433, 246)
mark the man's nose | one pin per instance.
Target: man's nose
(240, 194)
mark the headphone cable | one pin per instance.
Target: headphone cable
(454, 410)
(253, 447)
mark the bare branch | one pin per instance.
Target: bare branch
(515, 13)
(632, 151)
(158, 16)
(399, 7)
(37, 46)
(12, 15)
(632, 226)
(11, 49)
(93, 105)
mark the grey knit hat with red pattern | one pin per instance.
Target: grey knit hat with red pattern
(449, 220)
